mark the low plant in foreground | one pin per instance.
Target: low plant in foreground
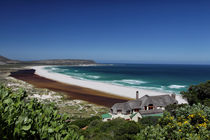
(28, 119)
(190, 122)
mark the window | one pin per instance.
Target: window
(145, 107)
(119, 111)
(150, 106)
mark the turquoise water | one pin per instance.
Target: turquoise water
(167, 78)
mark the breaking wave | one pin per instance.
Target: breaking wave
(129, 81)
(93, 76)
(176, 86)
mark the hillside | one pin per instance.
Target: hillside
(4, 60)
(61, 62)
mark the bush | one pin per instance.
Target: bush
(150, 120)
(198, 94)
(173, 107)
(117, 129)
(29, 119)
(191, 122)
(81, 123)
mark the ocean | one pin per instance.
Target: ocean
(158, 77)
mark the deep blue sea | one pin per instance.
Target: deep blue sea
(167, 78)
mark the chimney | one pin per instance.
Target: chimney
(137, 94)
(173, 96)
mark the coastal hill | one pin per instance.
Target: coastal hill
(4, 61)
(60, 62)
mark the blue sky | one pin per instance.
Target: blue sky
(149, 31)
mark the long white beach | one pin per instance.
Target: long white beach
(100, 86)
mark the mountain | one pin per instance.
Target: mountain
(4, 60)
(61, 62)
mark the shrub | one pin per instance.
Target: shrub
(150, 120)
(198, 94)
(173, 107)
(29, 119)
(81, 123)
(117, 129)
(191, 122)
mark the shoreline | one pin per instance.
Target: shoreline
(71, 91)
(110, 89)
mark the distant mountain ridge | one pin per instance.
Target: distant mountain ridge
(4, 60)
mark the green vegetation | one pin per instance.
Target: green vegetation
(198, 94)
(23, 118)
(118, 129)
(191, 122)
(81, 123)
(149, 121)
(28, 119)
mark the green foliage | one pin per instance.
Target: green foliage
(198, 94)
(190, 122)
(187, 110)
(117, 129)
(150, 120)
(29, 119)
(152, 133)
(81, 123)
(173, 107)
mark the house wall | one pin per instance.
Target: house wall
(136, 117)
(121, 116)
(161, 107)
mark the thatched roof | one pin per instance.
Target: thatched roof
(124, 107)
(161, 100)
(134, 103)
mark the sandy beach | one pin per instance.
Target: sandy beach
(105, 88)
(72, 91)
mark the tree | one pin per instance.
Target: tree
(198, 94)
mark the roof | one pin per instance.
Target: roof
(161, 100)
(132, 115)
(124, 107)
(104, 116)
(134, 103)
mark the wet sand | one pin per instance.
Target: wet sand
(74, 92)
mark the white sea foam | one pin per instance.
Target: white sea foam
(101, 86)
(51, 68)
(176, 86)
(132, 82)
(93, 76)
(154, 88)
